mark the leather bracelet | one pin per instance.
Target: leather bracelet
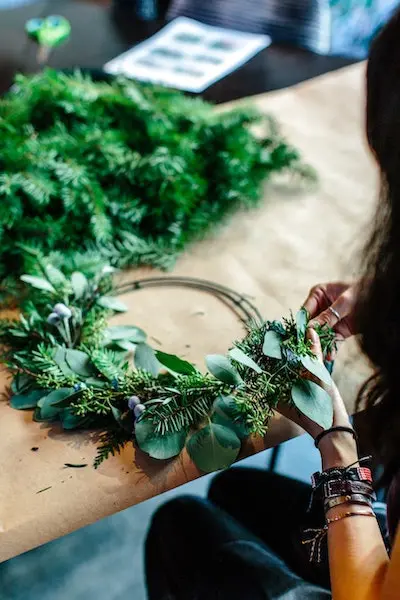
(332, 489)
(349, 499)
(340, 474)
(350, 514)
(333, 429)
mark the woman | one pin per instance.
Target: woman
(197, 551)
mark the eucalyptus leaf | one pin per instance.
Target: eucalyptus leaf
(314, 402)
(112, 303)
(158, 446)
(226, 413)
(37, 416)
(126, 332)
(80, 284)
(71, 421)
(316, 368)
(22, 383)
(28, 400)
(55, 276)
(126, 345)
(145, 359)
(38, 282)
(50, 404)
(272, 345)
(175, 364)
(222, 368)
(213, 447)
(59, 358)
(79, 362)
(95, 382)
(301, 323)
(242, 358)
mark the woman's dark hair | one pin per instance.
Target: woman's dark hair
(378, 310)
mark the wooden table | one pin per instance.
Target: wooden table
(274, 253)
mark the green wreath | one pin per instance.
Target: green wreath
(71, 366)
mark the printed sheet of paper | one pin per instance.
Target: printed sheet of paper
(188, 55)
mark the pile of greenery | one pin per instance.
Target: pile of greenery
(71, 366)
(123, 172)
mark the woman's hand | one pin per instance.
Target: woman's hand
(333, 304)
(337, 448)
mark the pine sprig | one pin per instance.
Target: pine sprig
(111, 443)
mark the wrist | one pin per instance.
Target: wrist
(338, 449)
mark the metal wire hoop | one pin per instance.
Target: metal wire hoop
(240, 304)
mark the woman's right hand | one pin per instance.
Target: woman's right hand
(333, 304)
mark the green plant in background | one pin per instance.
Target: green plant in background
(122, 173)
(71, 366)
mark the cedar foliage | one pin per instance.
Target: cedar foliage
(122, 172)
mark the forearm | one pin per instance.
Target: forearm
(357, 555)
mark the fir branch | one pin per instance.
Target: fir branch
(111, 443)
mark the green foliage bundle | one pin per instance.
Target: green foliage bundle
(122, 172)
(71, 366)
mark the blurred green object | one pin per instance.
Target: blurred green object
(50, 31)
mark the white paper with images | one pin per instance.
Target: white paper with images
(188, 55)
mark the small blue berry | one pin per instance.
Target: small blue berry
(77, 387)
(139, 410)
(132, 402)
(53, 319)
(62, 311)
(115, 384)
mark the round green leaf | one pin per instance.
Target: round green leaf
(71, 421)
(28, 400)
(175, 364)
(38, 282)
(59, 358)
(145, 359)
(214, 447)
(242, 358)
(272, 345)
(126, 332)
(79, 284)
(55, 276)
(50, 405)
(317, 368)
(222, 368)
(112, 303)
(158, 446)
(125, 345)
(79, 362)
(314, 402)
(21, 383)
(226, 413)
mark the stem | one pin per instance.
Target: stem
(67, 332)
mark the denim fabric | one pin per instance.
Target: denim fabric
(195, 551)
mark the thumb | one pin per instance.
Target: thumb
(316, 349)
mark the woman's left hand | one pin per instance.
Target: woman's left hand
(340, 415)
(338, 448)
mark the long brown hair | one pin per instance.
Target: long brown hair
(378, 310)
